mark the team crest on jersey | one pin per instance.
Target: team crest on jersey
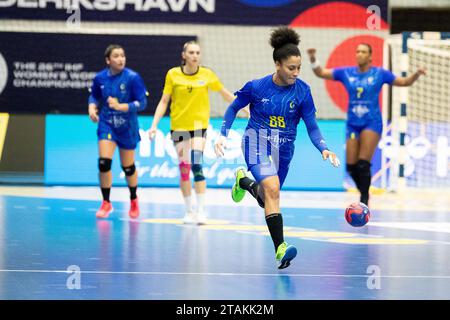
(369, 80)
(351, 79)
(122, 87)
(292, 106)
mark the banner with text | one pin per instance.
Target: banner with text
(71, 155)
(53, 72)
(237, 12)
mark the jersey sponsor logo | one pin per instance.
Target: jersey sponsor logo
(201, 82)
(265, 100)
(116, 121)
(3, 73)
(360, 110)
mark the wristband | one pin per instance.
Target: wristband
(315, 64)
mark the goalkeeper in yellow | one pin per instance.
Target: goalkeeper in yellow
(187, 87)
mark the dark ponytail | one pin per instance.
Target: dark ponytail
(285, 43)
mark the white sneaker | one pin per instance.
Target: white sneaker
(201, 218)
(190, 218)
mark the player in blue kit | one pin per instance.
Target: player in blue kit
(277, 103)
(117, 95)
(364, 124)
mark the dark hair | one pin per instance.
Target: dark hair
(110, 49)
(285, 43)
(368, 46)
(185, 45)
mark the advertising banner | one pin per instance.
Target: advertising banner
(236, 12)
(53, 72)
(71, 155)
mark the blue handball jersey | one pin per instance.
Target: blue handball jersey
(363, 91)
(275, 111)
(127, 87)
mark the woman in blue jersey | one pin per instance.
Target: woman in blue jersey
(364, 124)
(117, 95)
(277, 103)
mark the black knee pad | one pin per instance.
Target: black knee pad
(196, 165)
(363, 167)
(129, 171)
(104, 164)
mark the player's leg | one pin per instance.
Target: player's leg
(268, 180)
(182, 145)
(127, 160)
(351, 153)
(368, 143)
(106, 151)
(243, 182)
(198, 142)
(284, 253)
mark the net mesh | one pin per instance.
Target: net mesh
(428, 114)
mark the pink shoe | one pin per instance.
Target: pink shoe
(134, 209)
(104, 210)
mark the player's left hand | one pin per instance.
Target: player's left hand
(326, 154)
(421, 71)
(114, 104)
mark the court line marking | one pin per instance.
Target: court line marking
(226, 274)
(69, 209)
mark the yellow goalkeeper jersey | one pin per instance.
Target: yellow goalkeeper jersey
(190, 108)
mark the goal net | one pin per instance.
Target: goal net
(418, 151)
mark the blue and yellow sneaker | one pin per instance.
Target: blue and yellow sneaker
(285, 253)
(237, 193)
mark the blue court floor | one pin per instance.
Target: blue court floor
(53, 247)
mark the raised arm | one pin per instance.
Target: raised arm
(407, 81)
(317, 69)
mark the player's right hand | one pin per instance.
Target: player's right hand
(312, 54)
(93, 113)
(152, 133)
(220, 146)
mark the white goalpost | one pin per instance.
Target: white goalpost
(416, 148)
